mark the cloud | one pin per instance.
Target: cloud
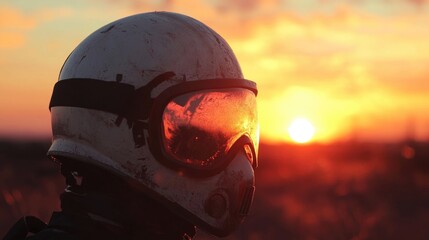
(386, 3)
(414, 2)
(15, 24)
(324, 48)
(331, 63)
(12, 18)
(347, 46)
(51, 14)
(243, 7)
(11, 39)
(233, 18)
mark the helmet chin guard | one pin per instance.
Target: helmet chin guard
(127, 90)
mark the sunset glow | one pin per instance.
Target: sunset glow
(337, 149)
(301, 130)
(358, 69)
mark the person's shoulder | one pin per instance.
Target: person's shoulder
(32, 228)
(61, 226)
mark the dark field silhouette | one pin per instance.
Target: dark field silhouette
(337, 191)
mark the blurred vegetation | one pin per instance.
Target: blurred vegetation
(338, 191)
(29, 183)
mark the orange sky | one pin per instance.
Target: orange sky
(355, 69)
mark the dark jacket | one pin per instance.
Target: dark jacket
(94, 216)
(66, 226)
(103, 206)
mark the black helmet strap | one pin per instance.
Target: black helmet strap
(114, 97)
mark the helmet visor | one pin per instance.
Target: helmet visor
(200, 128)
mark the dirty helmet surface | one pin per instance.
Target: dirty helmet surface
(159, 99)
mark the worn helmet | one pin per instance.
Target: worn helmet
(159, 99)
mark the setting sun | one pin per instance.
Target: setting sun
(301, 130)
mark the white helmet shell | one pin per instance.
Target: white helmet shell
(136, 50)
(142, 46)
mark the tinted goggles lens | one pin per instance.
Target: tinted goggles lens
(200, 128)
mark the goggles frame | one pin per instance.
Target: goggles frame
(143, 112)
(155, 128)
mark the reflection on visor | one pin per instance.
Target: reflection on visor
(200, 128)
